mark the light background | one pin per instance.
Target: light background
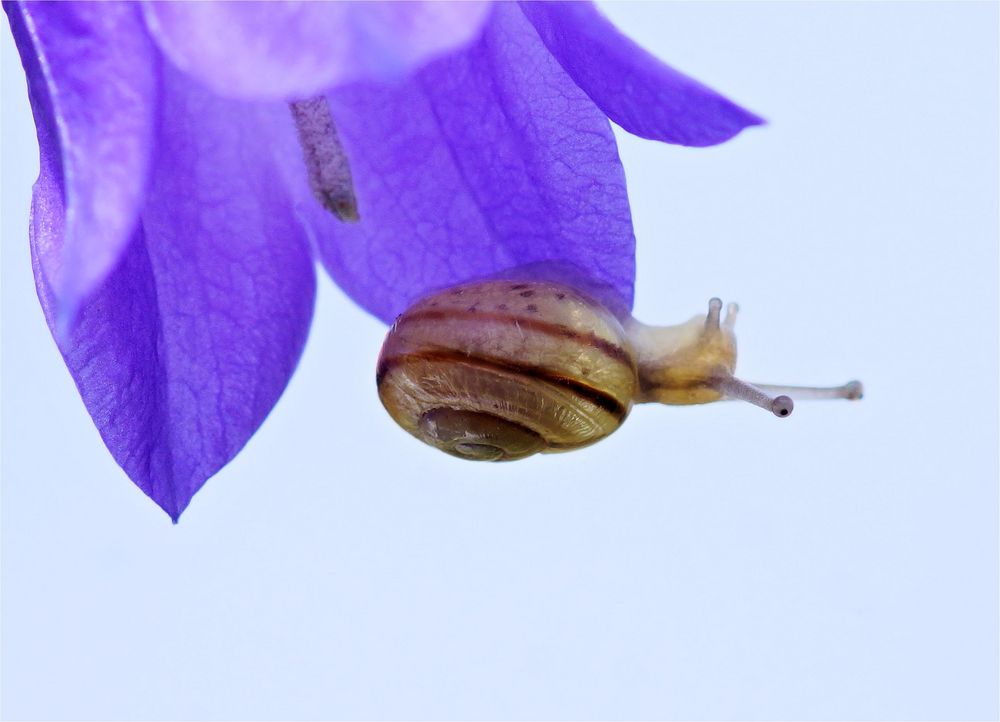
(710, 562)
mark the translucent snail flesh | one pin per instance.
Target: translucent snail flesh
(500, 370)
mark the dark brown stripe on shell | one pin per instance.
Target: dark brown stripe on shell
(595, 396)
(608, 348)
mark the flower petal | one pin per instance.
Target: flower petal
(487, 160)
(100, 122)
(637, 91)
(190, 341)
(292, 50)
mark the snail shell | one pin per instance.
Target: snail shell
(501, 370)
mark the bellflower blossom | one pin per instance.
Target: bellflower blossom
(180, 205)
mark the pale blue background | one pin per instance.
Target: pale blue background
(703, 563)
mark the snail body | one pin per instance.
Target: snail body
(502, 369)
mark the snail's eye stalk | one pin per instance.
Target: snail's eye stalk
(733, 388)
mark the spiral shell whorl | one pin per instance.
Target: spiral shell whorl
(501, 370)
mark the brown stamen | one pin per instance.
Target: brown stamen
(325, 159)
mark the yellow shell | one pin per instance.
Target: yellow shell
(500, 370)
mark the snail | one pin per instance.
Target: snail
(499, 370)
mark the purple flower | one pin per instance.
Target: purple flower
(175, 221)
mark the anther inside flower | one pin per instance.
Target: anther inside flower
(326, 162)
(181, 207)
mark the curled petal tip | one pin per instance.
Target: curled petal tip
(660, 103)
